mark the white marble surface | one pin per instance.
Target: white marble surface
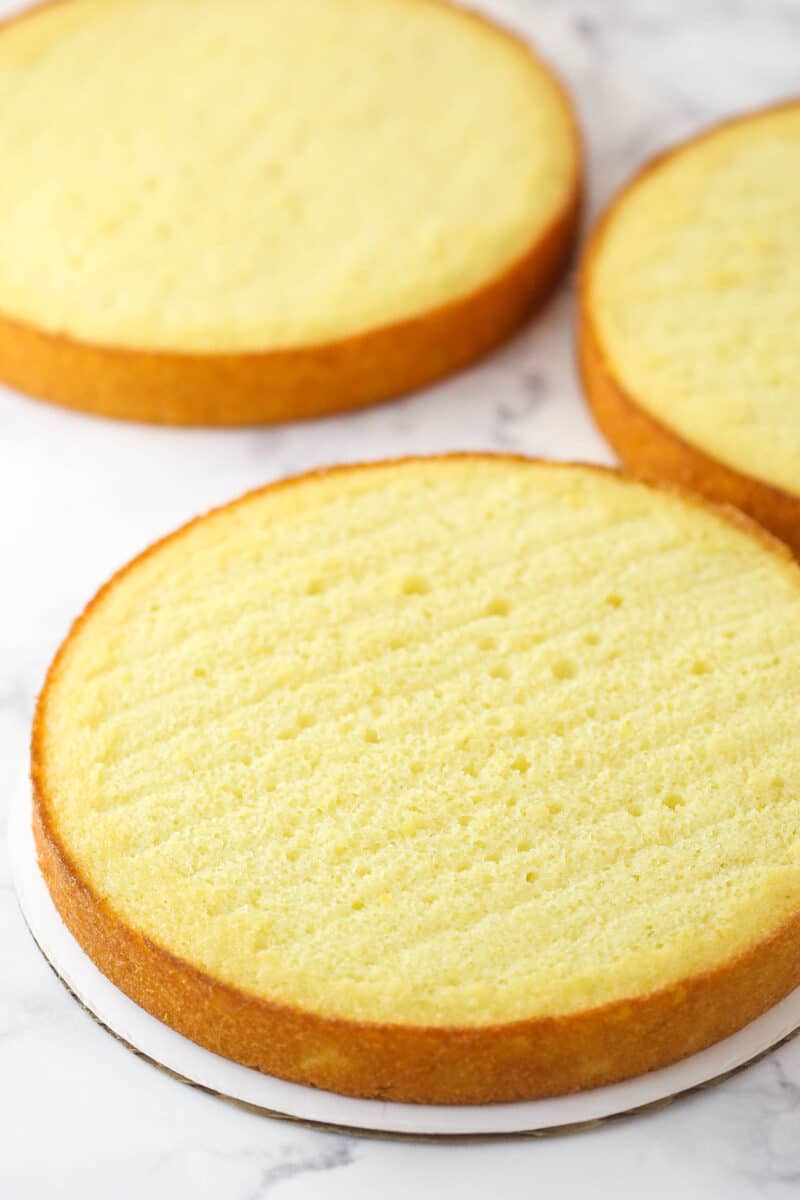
(79, 1115)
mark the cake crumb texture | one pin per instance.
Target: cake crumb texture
(217, 176)
(447, 743)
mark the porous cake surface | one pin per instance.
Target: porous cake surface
(230, 175)
(444, 743)
(693, 292)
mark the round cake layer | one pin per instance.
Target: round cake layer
(493, 757)
(230, 181)
(690, 311)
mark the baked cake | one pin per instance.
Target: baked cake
(690, 310)
(453, 780)
(228, 211)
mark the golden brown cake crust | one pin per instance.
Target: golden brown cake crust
(644, 443)
(518, 1060)
(270, 386)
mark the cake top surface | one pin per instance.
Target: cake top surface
(449, 742)
(693, 287)
(217, 175)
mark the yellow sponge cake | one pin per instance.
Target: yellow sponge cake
(690, 311)
(447, 780)
(230, 211)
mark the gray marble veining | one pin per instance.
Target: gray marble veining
(80, 1117)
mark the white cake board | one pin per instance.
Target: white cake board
(274, 1097)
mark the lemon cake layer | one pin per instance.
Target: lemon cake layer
(226, 211)
(690, 311)
(451, 779)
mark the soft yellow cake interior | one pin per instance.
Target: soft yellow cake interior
(447, 742)
(236, 174)
(694, 291)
